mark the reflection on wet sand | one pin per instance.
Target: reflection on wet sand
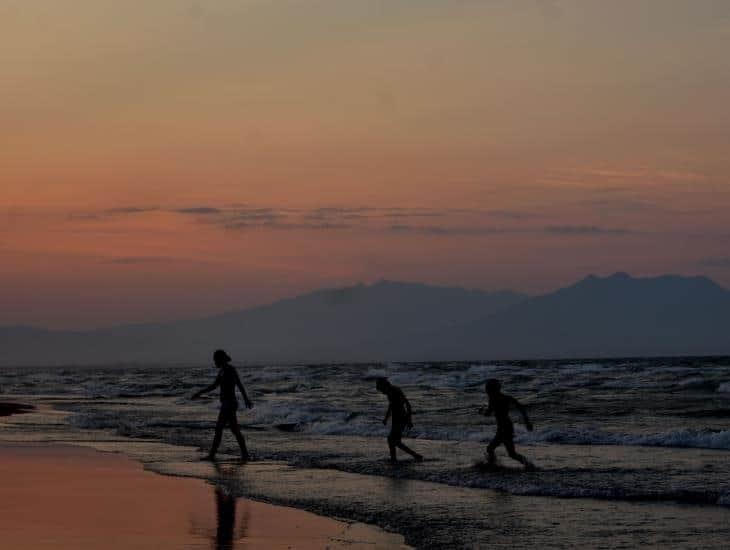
(225, 504)
(227, 529)
(72, 497)
(226, 511)
(242, 524)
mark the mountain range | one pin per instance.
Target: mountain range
(610, 316)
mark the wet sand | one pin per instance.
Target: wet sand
(71, 497)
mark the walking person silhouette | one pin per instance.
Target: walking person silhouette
(499, 405)
(400, 409)
(228, 381)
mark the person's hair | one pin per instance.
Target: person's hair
(493, 385)
(381, 382)
(221, 356)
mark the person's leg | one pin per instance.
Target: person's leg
(514, 455)
(411, 452)
(493, 444)
(236, 429)
(219, 425)
(393, 440)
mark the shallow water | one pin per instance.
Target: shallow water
(645, 441)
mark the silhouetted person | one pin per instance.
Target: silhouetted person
(499, 405)
(228, 381)
(400, 410)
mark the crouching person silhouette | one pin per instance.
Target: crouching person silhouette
(499, 405)
(228, 381)
(400, 410)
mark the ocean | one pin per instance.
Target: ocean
(628, 452)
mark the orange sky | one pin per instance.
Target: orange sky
(488, 144)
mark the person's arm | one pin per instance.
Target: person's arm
(523, 412)
(407, 404)
(387, 414)
(246, 400)
(409, 411)
(486, 411)
(213, 386)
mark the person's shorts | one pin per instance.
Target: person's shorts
(504, 435)
(229, 407)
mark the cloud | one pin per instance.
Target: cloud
(359, 213)
(560, 230)
(510, 214)
(111, 213)
(201, 210)
(318, 218)
(446, 230)
(327, 217)
(584, 230)
(252, 217)
(131, 210)
(286, 226)
(395, 220)
(81, 216)
(642, 174)
(132, 260)
(363, 218)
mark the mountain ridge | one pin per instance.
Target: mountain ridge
(664, 315)
(616, 315)
(285, 330)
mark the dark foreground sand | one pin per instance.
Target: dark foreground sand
(70, 497)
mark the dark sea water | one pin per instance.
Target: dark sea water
(628, 452)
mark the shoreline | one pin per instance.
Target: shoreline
(65, 496)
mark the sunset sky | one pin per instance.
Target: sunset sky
(164, 159)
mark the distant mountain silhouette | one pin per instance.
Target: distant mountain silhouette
(326, 325)
(596, 317)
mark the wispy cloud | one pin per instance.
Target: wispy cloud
(84, 216)
(318, 218)
(585, 230)
(646, 174)
(440, 230)
(394, 220)
(200, 210)
(286, 226)
(132, 260)
(131, 210)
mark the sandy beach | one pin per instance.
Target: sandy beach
(71, 497)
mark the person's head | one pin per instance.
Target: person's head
(221, 358)
(493, 386)
(382, 384)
